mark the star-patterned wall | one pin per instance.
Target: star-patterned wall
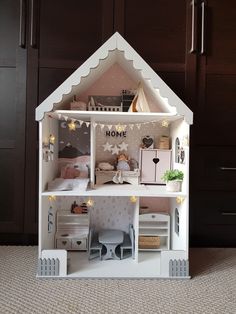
(110, 212)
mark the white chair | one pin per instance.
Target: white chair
(128, 243)
(95, 247)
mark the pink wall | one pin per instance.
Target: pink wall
(160, 204)
(110, 83)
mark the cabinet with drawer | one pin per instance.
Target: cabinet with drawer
(79, 243)
(213, 218)
(63, 243)
(213, 198)
(153, 164)
(216, 168)
(72, 231)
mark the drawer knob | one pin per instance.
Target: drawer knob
(228, 213)
(228, 168)
(78, 242)
(64, 242)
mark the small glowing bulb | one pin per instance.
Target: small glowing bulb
(120, 128)
(52, 198)
(52, 139)
(133, 199)
(185, 141)
(90, 202)
(179, 199)
(165, 123)
(72, 126)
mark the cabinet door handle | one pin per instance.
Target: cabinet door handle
(193, 39)
(22, 24)
(203, 7)
(228, 168)
(228, 213)
(32, 25)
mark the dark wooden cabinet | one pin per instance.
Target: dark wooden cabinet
(57, 37)
(213, 162)
(190, 44)
(216, 110)
(160, 31)
(12, 123)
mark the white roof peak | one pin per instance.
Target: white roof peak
(115, 50)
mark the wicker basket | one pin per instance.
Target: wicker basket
(164, 142)
(149, 242)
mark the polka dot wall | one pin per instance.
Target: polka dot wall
(106, 213)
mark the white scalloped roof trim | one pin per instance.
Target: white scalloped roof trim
(158, 84)
(116, 42)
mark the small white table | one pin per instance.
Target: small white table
(111, 239)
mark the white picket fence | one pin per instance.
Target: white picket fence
(48, 267)
(178, 268)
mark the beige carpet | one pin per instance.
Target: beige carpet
(211, 290)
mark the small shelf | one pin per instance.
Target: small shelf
(154, 232)
(70, 223)
(111, 117)
(163, 247)
(153, 224)
(119, 190)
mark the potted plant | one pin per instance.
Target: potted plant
(173, 179)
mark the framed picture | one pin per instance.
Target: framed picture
(147, 142)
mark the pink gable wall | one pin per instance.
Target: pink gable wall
(110, 83)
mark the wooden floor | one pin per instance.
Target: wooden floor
(147, 266)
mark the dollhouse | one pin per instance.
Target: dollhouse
(107, 136)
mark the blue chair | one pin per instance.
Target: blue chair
(128, 243)
(95, 247)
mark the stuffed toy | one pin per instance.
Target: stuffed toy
(133, 164)
(76, 209)
(105, 166)
(123, 163)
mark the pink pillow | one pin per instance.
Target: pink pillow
(69, 172)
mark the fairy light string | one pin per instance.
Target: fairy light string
(119, 127)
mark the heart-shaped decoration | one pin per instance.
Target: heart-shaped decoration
(147, 141)
(64, 242)
(156, 160)
(78, 242)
